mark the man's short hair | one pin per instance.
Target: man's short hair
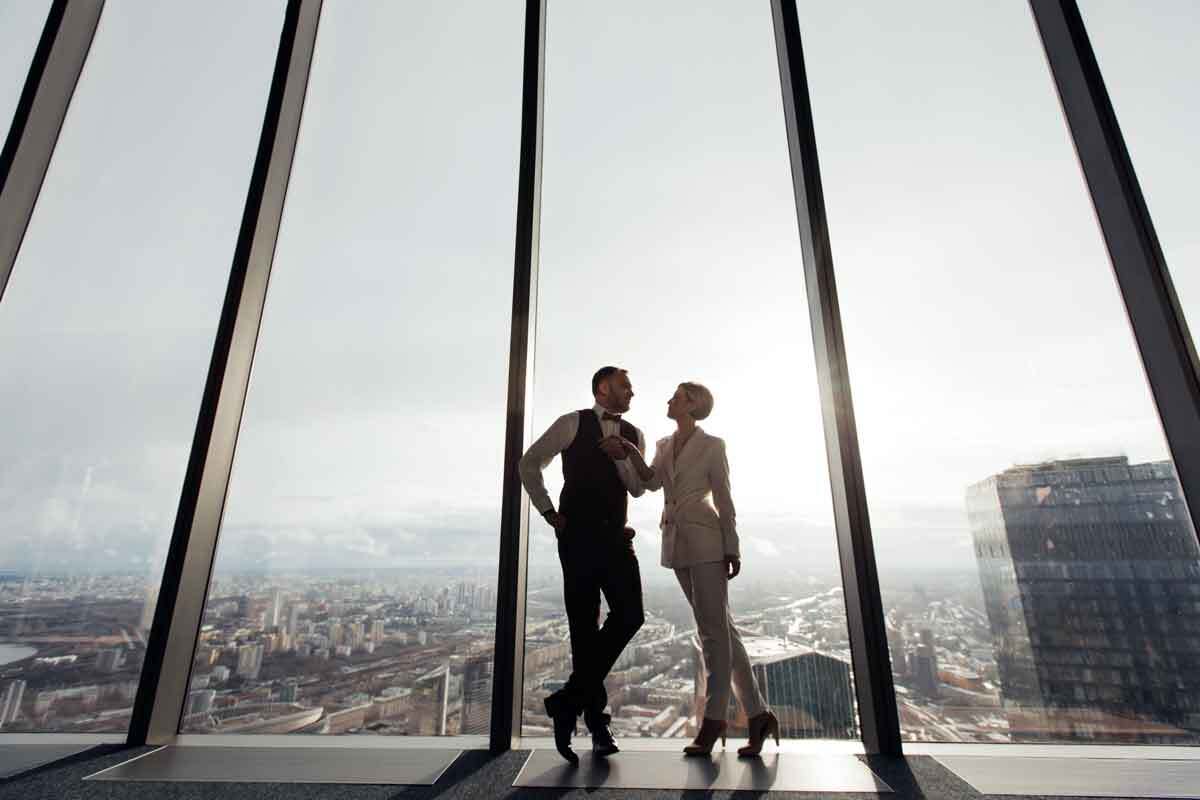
(699, 394)
(603, 374)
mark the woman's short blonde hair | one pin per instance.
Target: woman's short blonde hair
(699, 394)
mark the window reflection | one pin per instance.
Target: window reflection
(20, 28)
(106, 331)
(354, 588)
(669, 247)
(1029, 528)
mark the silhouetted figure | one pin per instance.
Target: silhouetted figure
(595, 549)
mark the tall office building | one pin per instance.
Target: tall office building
(357, 636)
(898, 650)
(276, 613)
(809, 691)
(466, 594)
(110, 660)
(250, 658)
(477, 694)
(12, 703)
(1090, 574)
(923, 665)
(433, 707)
(293, 624)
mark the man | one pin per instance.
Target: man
(594, 547)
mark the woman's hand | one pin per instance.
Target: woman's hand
(634, 454)
(733, 565)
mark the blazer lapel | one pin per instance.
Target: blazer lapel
(688, 454)
(669, 457)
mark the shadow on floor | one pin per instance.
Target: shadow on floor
(474, 775)
(96, 751)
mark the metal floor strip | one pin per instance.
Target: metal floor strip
(416, 767)
(777, 772)
(1077, 777)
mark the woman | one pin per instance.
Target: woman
(700, 542)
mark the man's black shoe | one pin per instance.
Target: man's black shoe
(603, 743)
(564, 727)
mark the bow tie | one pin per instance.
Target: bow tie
(613, 417)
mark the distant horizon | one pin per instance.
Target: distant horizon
(11, 574)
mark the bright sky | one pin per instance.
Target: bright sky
(982, 321)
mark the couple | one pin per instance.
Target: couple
(603, 463)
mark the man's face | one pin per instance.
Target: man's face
(616, 393)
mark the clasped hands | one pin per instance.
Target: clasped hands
(617, 448)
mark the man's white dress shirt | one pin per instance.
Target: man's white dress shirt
(558, 437)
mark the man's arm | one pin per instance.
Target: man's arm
(628, 471)
(558, 437)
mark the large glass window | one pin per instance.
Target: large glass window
(20, 28)
(106, 331)
(354, 589)
(1148, 56)
(1038, 566)
(670, 248)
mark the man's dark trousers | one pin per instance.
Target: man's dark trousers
(595, 560)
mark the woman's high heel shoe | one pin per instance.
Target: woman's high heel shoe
(760, 726)
(710, 731)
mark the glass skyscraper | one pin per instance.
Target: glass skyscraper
(1090, 577)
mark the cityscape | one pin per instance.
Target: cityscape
(1078, 621)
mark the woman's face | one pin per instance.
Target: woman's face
(679, 406)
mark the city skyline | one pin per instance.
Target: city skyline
(983, 329)
(278, 653)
